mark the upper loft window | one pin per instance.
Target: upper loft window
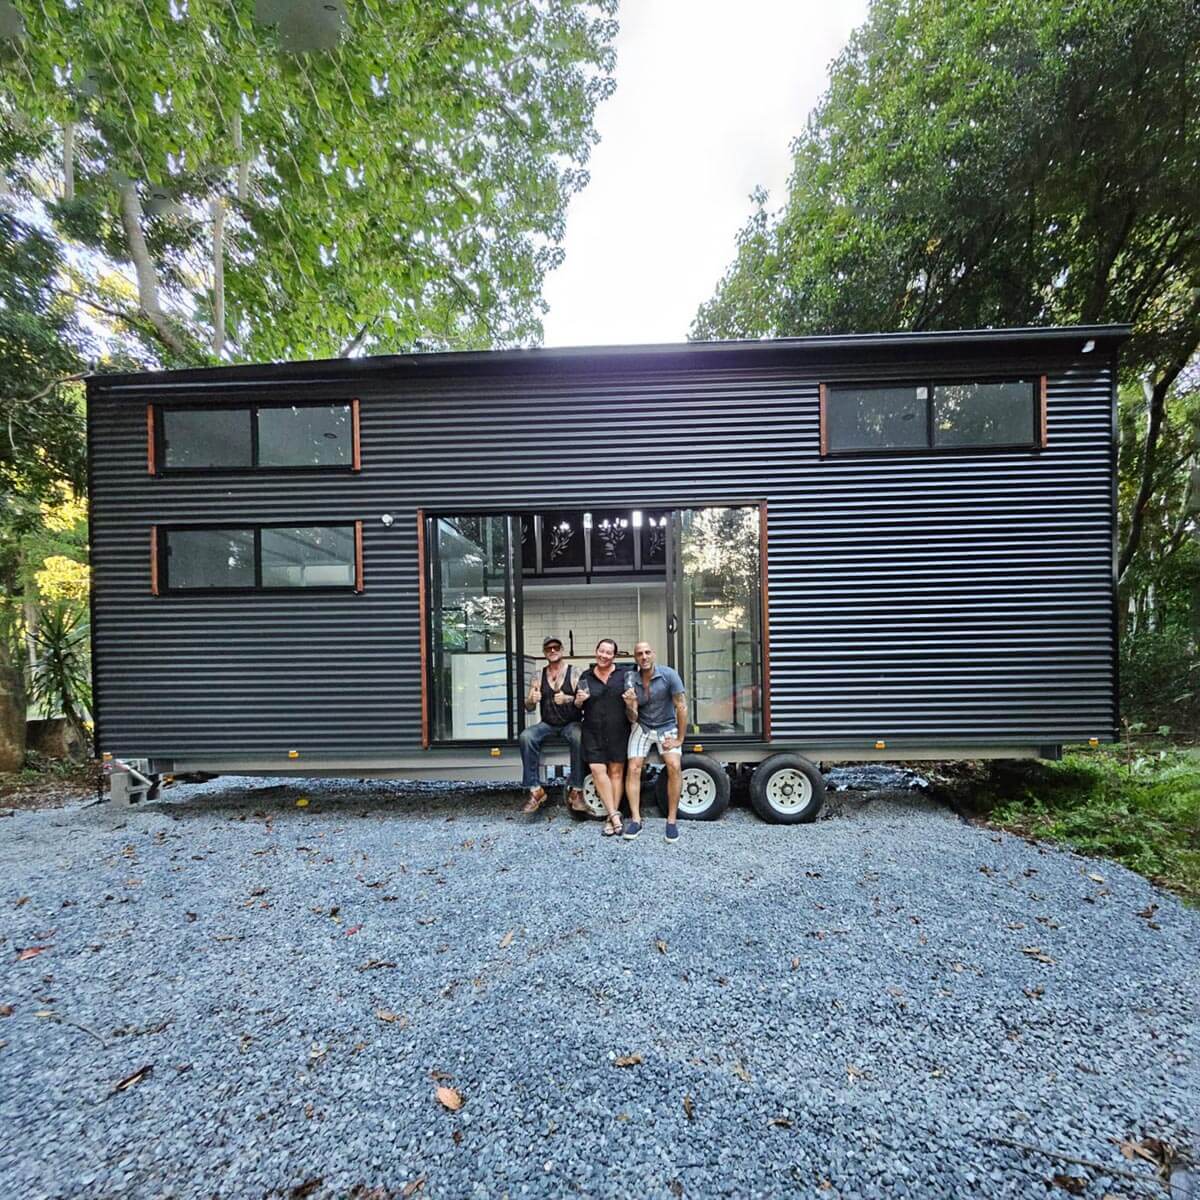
(960, 415)
(255, 437)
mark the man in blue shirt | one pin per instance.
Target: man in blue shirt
(656, 705)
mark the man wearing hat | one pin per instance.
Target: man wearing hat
(553, 691)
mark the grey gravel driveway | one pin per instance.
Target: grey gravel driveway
(886, 1003)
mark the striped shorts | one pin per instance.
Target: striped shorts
(641, 739)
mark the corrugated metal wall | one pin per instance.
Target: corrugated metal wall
(949, 599)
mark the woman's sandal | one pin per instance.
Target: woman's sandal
(612, 825)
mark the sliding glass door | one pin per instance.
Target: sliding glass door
(493, 580)
(715, 606)
(473, 621)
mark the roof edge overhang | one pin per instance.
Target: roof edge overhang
(801, 352)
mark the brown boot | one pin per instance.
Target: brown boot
(537, 797)
(575, 801)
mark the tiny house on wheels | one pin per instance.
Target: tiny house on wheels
(888, 546)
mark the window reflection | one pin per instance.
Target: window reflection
(721, 618)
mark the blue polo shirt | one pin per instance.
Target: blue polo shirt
(655, 708)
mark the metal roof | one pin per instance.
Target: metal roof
(582, 359)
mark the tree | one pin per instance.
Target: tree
(41, 436)
(278, 180)
(983, 164)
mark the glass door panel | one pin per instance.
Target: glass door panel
(471, 625)
(717, 618)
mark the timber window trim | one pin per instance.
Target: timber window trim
(158, 448)
(161, 550)
(926, 397)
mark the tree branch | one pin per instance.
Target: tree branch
(356, 341)
(1156, 399)
(143, 265)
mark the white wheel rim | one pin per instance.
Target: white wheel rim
(788, 790)
(591, 798)
(698, 790)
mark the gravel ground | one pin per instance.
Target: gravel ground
(874, 1005)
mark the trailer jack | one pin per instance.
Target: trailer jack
(131, 782)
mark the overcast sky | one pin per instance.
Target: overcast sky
(709, 95)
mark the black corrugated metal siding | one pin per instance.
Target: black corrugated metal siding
(918, 598)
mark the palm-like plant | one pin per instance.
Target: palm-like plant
(60, 679)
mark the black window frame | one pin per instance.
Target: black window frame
(161, 559)
(1037, 390)
(158, 448)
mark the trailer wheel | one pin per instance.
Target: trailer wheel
(787, 789)
(591, 797)
(704, 794)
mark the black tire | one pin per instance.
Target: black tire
(705, 789)
(787, 789)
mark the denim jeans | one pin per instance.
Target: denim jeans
(532, 740)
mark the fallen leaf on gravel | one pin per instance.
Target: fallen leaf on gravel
(895, 991)
(353, 929)
(1096, 878)
(258, 891)
(440, 1076)
(20, 901)
(689, 1109)
(627, 1060)
(386, 1014)
(1071, 1183)
(449, 1098)
(426, 920)
(316, 1052)
(1148, 912)
(413, 1187)
(131, 1080)
(506, 940)
(375, 964)
(781, 1122)
(43, 1013)
(301, 1190)
(661, 946)
(740, 1071)
(1034, 992)
(1152, 1150)
(302, 803)
(795, 964)
(1037, 953)
(30, 952)
(1015, 925)
(6, 1010)
(855, 1072)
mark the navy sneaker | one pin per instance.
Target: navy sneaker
(631, 830)
(672, 833)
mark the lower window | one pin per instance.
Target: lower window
(260, 558)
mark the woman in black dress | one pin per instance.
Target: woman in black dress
(605, 730)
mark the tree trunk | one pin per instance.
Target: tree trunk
(217, 205)
(143, 265)
(12, 711)
(69, 161)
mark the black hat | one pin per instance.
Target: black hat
(552, 641)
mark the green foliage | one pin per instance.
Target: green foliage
(1160, 681)
(60, 679)
(41, 422)
(978, 164)
(403, 187)
(1144, 813)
